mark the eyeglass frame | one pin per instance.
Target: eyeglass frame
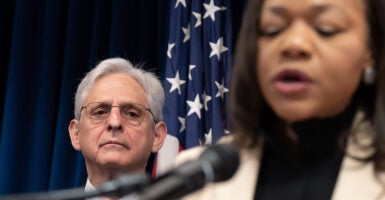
(118, 106)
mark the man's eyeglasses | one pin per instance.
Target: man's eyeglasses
(133, 113)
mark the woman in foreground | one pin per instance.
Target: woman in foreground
(307, 102)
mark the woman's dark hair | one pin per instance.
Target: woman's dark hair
(246, 98)
(249, 111)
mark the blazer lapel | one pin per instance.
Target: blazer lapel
(358, 180)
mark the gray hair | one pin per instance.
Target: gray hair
(149, 82)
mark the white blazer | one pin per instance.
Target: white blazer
(356, 180)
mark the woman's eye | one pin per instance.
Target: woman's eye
(270, 32)
(327, 31)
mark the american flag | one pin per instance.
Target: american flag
(196, 81)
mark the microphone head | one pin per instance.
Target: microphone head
(218, 162)
(224, 158)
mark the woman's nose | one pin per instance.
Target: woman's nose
(297, 42)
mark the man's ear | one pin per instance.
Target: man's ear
(74, 133)
(160, 136)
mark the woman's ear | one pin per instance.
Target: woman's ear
(369, 61)
(369, 72)
(74, 133)
(160, 136)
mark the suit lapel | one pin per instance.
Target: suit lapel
(357, 179)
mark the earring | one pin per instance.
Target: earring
(369, 75)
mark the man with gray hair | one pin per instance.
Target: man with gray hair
(118, 120)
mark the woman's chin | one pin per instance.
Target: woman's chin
(292, 117)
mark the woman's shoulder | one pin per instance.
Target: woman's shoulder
(189, 154)
(357, 178)
(195, 152)
(240, 186)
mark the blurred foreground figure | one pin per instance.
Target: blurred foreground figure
(307, 102)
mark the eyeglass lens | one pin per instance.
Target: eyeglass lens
(133, 113)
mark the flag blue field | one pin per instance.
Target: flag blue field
(197, 76)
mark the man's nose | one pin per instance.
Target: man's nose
(115, 119)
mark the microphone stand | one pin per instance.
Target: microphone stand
(121, 186)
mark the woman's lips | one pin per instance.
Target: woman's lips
(292, 82)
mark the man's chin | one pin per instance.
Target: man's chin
(115, 165)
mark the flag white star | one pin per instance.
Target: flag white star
(217, 48)
(186, 32)
(176, 82)
(221, 89)
(199, 19)
(195, 107)
(209, 137)
(169, 49)
(206, 98)
(210, 10)
(191, 67)
(183, 2)
(182, 124)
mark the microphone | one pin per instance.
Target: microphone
(217, 163)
